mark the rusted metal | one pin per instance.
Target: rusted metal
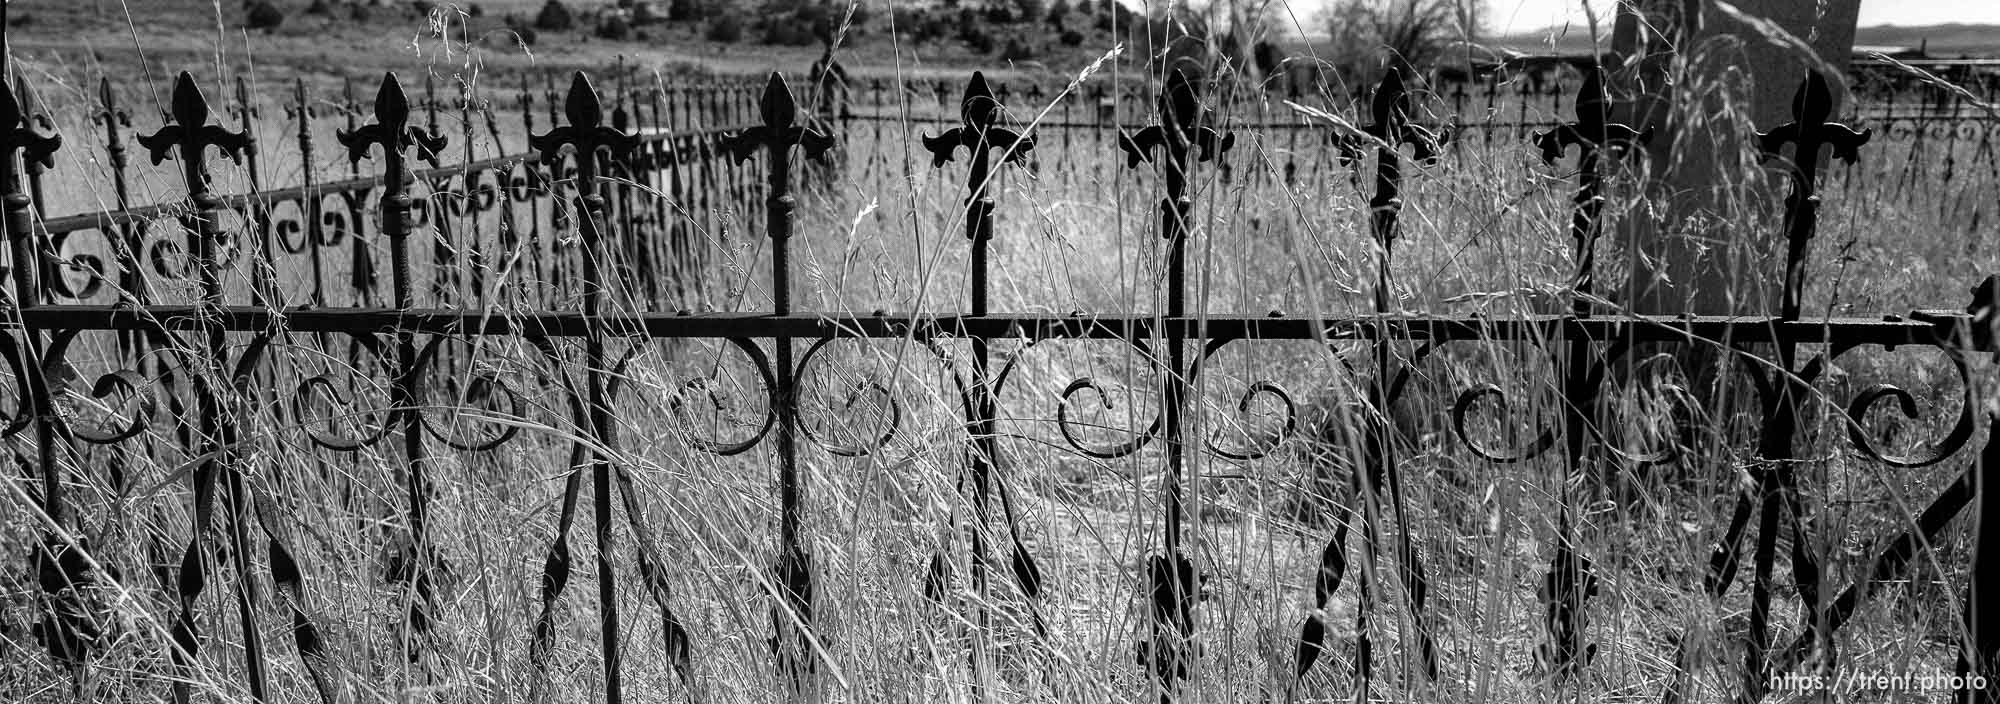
(1171, 577)
(980, 134)
(792, 574)
(191, 135)
(417, 558)
(591, 140)
(1591, 342)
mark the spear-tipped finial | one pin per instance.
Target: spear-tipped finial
(1592, 100)
(191, 131)
(190, 107)
(1813, 102)
(1391, 102)
(777, 107)
(1179, 104)
(1593, 128)
(392, 105)
(980, 109)
(581, 105)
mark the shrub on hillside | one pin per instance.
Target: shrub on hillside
(323, 8)
(263, 15)
(796, 25)
(976, 37)
(555, 17)
(1071, 37)
(1016, 50)
(614, 27)
(727, 29)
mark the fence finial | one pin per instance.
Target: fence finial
(1390, 110)
(20, 130)
(1592, 129)
(586, 132)
(978, 112)
(392, 127)
(1812, 105)
(780, 129)
(1180, 128)
(191, 131)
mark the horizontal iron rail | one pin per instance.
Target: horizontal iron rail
(1919, 328)
(107, 219)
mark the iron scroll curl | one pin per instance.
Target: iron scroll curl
(1869, 398)
(867, 445)
(480, 386)
(687, 391)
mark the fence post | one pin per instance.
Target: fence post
(192, 135)
(1979, 656)
(1390, 130)
(588, 135)
(59, 565)
(257, 216)
(417, 560)
(793, 572)
(312, 208)
(1171, 575)
(1570, 580)
(979, 135)
(1777, 481)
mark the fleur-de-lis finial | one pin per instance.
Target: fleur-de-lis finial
(31, 134)
(1390, 110)
(1811, 106)
(585, 131)
(392, 127)
(780, 129)
(108, 100)
(1592, 129)
(978, 113)
(191, 131)
(1179, 130)
(301, 106)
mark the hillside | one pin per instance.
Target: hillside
(1945, 41)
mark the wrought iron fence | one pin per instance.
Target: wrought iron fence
(202, 358)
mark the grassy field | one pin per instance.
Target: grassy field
(1483, 232)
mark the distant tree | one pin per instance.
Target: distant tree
(1058, 12)
(974, 33)
(555, 17)
(1414, 31)
(323, 8)
(1028, 11)
(614, 26)
(264, 15)
(1016, 50)
(726, 28)
(1071, 37)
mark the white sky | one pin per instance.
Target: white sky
(1516, 16)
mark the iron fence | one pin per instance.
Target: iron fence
(201, 377)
